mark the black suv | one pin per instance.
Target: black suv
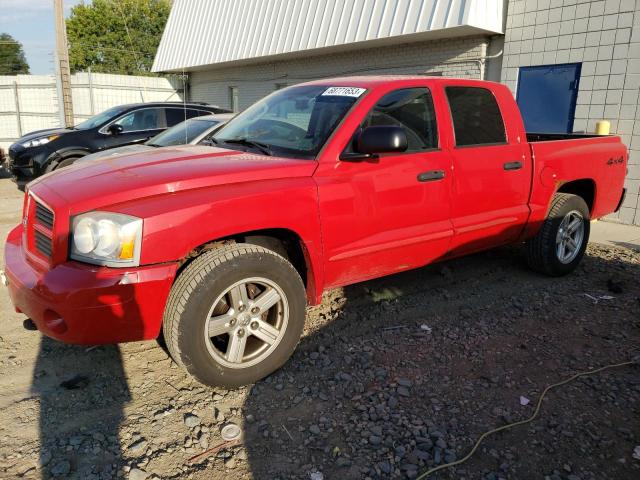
(42, 151)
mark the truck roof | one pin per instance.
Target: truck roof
(369, 81)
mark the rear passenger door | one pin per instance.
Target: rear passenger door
(491, 179)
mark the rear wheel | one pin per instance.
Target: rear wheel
(235, 315)
(562, 240)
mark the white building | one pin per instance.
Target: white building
(585, 54)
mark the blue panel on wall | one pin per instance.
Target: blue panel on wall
(547, 97)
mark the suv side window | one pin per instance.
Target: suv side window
(476, 116)
(411, 108)
(142, 119)
(177, 115)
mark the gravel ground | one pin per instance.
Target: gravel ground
(392, 376)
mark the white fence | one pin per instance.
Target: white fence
(31, 102)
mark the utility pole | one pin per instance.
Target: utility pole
(62, 63)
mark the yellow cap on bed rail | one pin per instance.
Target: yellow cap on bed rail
(603, 127)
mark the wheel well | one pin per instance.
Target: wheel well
(282, 241)
(583, 188)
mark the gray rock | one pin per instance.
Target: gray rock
(61, 468)
(404, 382)
(403, 391)
(138, 447)
(191, 420)
(315, 429)
(375, 440)
(137, 474)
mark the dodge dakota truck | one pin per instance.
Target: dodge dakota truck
(220, 248)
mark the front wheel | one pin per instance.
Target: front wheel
(235, 315)
(562, 240)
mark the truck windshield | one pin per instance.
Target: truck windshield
(182, 133)
(294, 122)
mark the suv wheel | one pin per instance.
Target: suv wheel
(235, 315)
(562, 240)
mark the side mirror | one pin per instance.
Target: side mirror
(378, 139)
(115, 129)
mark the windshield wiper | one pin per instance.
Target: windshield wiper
(263, 147)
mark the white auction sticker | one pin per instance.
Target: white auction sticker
(344, 91)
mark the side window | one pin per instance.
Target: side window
(411, 108)
(476, 116)
(143, 119)
(177, 115)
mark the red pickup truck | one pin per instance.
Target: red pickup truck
(316, 186)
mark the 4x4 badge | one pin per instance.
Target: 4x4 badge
(615, 161)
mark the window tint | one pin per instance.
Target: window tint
(476, 116)
(411, 108)
(143, 119)
(177, 115)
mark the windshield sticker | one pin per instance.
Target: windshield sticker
(344, 91)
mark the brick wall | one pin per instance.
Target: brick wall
(605, 37)
(450, 57)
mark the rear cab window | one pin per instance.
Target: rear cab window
(476, 117)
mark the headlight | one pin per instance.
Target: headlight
(36, 142)
(105, 238)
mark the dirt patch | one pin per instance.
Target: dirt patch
(376, 389)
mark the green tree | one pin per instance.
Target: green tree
(116, 36)
(12, 60)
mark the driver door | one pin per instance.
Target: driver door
(391, 213)
(137, 126)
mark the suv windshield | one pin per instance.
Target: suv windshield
(295, 122)
(100, 118)
(182, 133)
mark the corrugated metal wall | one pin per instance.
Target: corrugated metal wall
(30, 102)
(204, 32)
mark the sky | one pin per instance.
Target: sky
(31, 23)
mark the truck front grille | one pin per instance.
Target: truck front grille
(42, 243)
(44, 216)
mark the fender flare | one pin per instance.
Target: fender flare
(58, 156)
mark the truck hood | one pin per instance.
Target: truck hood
(112, 152)
(112, 180)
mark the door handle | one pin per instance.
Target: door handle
(431, 176)
(512, 166)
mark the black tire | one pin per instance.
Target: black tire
(194, 293)
(65, 162)
(541, 250)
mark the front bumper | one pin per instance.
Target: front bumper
(22, 163)
(84, 304)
